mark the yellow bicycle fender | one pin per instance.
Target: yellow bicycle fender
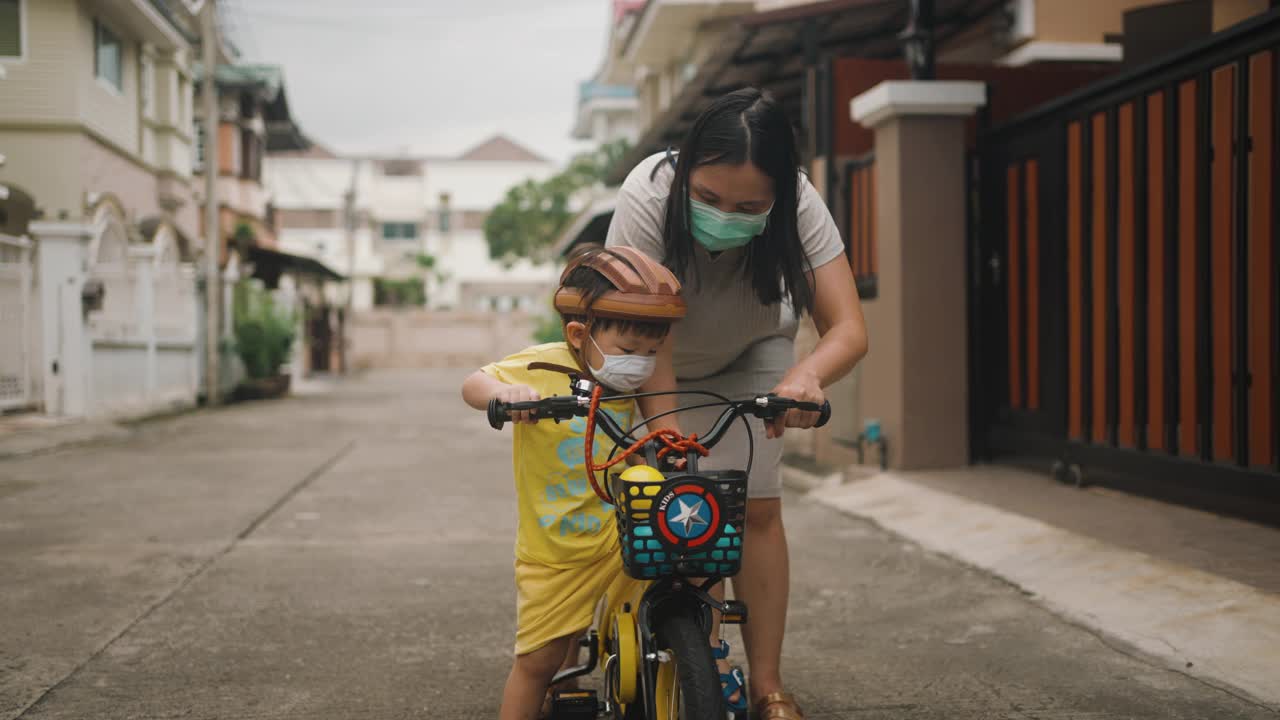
(624, 630)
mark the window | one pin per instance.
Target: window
(11, 28)
(860, 224)
(199, 163)
(444, 212)
(250, 155)
(108, 60)
(399, 231)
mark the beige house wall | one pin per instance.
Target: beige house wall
(113, 114)
(68, 137)
(63, 167)
(42, 87)
(44, 163)
(1088, 21)
(1229, 12)
(1081, 21)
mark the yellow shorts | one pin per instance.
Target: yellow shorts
(552, 603)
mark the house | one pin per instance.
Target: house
(1002, 320)
(460, 192)
(309, 190)
(253, 120)
(418, 222)
(96, 112)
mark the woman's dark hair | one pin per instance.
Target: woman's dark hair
(593, 285)
(746, 125)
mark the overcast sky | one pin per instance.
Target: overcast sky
(429, 76)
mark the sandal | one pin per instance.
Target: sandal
(777, 706)
(732, 682)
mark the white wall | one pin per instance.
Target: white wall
(320, 184)
(463, 254)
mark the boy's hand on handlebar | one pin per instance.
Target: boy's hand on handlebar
(801, 385)
(519, 393)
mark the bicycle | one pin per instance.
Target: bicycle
(680, 528)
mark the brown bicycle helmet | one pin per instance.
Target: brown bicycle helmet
(645, 290)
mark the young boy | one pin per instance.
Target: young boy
(617, 307)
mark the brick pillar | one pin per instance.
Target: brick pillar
(917, 371)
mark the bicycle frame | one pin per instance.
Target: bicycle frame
(674, 590)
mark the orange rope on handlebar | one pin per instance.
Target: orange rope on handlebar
(673, 441)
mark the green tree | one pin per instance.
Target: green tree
(264, 333)
(534, 213)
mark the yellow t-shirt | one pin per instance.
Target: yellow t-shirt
(562, 523)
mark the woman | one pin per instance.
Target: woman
(755, 246)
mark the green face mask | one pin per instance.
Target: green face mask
(717, 230)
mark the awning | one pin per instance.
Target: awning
(269, 265)
(590, 226)
(771, 50)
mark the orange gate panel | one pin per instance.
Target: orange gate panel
(1262, 262)
(1220, 251)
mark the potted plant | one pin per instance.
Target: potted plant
(264, 334)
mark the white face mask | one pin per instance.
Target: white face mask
(623, 372)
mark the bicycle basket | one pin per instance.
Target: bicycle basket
(689, 525)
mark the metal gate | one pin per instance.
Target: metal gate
(15, 322)
(1125, 272)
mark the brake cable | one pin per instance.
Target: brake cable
(672, 440)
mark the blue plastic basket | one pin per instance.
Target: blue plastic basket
(687, 525)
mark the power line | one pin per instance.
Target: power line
(331, 20)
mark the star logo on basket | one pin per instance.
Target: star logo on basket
(688, 514)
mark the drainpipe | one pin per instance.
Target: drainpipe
(213, 241)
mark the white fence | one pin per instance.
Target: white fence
(16, 313)
(143, 351)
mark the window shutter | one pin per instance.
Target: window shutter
(10, 28)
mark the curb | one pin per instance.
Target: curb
(59, 437)
(793, 478)
(1221, 632)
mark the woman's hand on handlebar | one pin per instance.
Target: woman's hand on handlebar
(518, 393)
(798, 384)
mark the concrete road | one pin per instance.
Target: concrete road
(348, 555)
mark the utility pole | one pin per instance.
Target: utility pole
(349, 221)
(212, 239)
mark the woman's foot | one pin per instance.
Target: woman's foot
(732, 682)
(776, 706)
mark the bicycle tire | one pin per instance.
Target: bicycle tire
(694, 676)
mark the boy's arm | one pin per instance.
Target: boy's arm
(663, 380)
(480, 387)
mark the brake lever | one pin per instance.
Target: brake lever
(765, 405)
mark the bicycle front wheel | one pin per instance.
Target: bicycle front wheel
(687, 687)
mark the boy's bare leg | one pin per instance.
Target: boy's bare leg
(530, 675)
(570, 660)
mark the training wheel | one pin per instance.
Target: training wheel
(1075, 476)
(1058, 471)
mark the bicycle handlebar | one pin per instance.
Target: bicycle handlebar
(564, 407)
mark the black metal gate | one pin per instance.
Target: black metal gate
(1125, 276)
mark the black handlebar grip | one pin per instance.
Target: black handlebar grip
(824, 414)
(499, 414)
